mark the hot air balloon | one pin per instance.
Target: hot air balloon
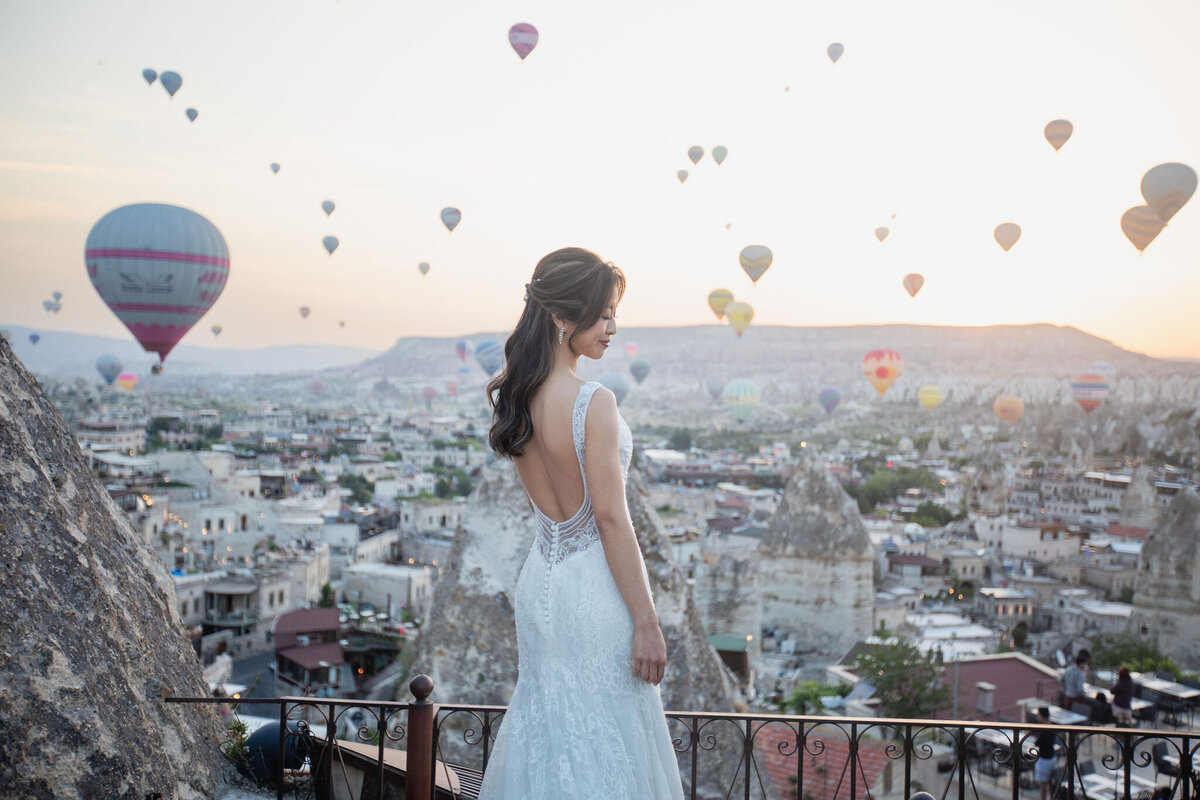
(719, 300)
(1008, 408)
(714, 386)
(1089, 391)
(317, 387)
(740, 316)
(35, 338)
(523, 37)
(929, 396)
(452, 385)
(171, 82)
(216, 329)
(755, 260)
(156, 369)
(429, 393)
(192, 114)
(719, 153)
(451, 217)
(695, 153)
(328, 206)
(331, 244)
(682, 175)
(829, 397)
(341, 323)
(109, 368)
(1007, 234)
(150, 75)
(489, 355)
(741, 396)
(1167, 188)
(274, 168)
(881, 233)
(1104, 368)
(159, 268)
(913, 283)
(639, 369)
(834, 51)
(631, 349)
(424, 267)
(57, 296)
(1058, 132)
(304, 312)
(127, 380)
(1141, 226)
(47, 306)
(882, 368)
(461, 350)
(615, 382)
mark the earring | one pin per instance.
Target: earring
(561, 330)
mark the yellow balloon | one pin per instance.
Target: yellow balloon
(929, 396)
(740, 315)
(718, 299)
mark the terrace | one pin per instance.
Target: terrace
(421, 750)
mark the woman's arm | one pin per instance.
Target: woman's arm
(606, 488)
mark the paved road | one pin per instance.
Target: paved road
(247, 671)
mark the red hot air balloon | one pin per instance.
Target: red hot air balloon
(1089, 391)
(159, 268)
(523, 37)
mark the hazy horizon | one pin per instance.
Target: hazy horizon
(934, 113)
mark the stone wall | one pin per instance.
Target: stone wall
(92, 640)
(1167, 589)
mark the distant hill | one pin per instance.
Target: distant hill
(65, 355)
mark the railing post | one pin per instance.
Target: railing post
(419, 776)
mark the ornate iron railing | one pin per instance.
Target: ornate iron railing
(447, 748)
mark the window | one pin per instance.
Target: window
(208, 524)
(196, 605)
(183, 608)
(221, 524)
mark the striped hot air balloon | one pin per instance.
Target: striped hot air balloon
(929, 396)
(523, 37)
(1141, 226)
(159, 268)
(829, 397)
(127, 380)
(1089, 391)
(741, 396)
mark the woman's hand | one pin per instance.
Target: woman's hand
(649, 652)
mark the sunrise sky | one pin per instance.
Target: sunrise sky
(396, 108)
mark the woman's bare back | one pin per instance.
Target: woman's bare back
(549, 466)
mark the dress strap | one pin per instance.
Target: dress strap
(579, 424)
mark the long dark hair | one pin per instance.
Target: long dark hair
(576, 285)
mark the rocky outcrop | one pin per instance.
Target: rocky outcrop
(1139, 503)
(91, 641)
(1167, 588)
(469, 646)
(728, 598)
(988, 491)
(816, 569)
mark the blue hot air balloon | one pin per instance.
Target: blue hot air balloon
(150, 75)
(35, 337)
(109, 368)
(171, 82)
(829, 397)
(490, 356)
(615, 382)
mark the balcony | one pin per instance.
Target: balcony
(235, 618)
(335, 749)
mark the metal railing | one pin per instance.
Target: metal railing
(448, 747)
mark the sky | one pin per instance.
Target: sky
(397, 108)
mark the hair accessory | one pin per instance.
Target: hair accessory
(527, 293)
(561, 330)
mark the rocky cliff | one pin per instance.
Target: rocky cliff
(816, 570)
(91, 640)
(1139, 503)
(988, 491)
(1167, 588)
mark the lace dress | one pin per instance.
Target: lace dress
(579, 725)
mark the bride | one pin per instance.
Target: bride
(586, 718)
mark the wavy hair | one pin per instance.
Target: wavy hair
(572, 283)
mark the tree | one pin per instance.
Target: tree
(1126, 595)
(907, 682)
(326, 600)
(1020, 635)
(681, 439)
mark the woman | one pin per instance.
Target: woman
(1122, 703)
(586, 718)
(1043, 770)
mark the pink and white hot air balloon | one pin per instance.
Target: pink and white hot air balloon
(523, 37)
(159, 268)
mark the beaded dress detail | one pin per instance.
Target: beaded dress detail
(579, 725)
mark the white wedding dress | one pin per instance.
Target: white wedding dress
(580, 724)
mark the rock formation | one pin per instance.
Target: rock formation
(469, 646)
(816, 570)
(1139, 503)
(988, 492)
(728, 598)
(91, 640)
(1167, 588)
